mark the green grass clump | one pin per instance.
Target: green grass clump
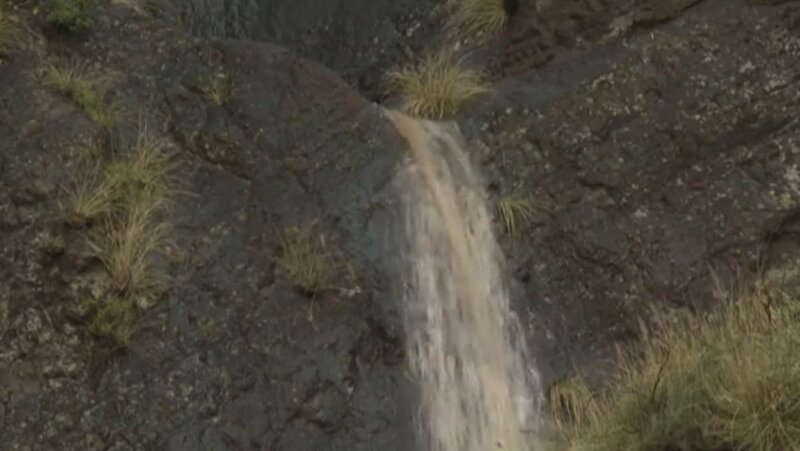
(436, 86)
(306, 260)
(73, 81)
(729, 382)
(71, 15)
(114, 320)
(477, 19)
(144, 176)
(92, 103)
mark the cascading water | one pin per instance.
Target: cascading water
(464, 343)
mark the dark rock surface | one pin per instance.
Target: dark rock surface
(657, 160)
(359, 39)
(657, 154)
(540, 31)
(231, 357)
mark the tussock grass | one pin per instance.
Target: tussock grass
(138, 188)
(128, 198)
(90, 198)
(569, 400)
(144, 177)
(515, 210)
(141, 179)
(10, 33)
(66, 77)
(126, 244)
(726, 382)
(87, 195)
(436, 86)
(476, 19)
(72, 80)
(306, 259)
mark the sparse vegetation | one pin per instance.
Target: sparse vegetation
(71, 15)
(436, 86)
(126, 244)
(66, 77)
(215, 90)
(728, 382)
(114, 320)
(10, 33)
(90, 198)
(137, 188)
(477, 19)
(515, 210)
(306, 260)
(92, 102)
(569, 400)
(144, 177)
(72, 80)
(128, 198)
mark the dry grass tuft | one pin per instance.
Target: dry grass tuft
(306, 260)
(731, 381)
(129, 198)
(90, 198)
(569, 401)
(515, 210)
(141, 179)
(88, 195)
(10, 33)
(138, 188)
(215, 90)
(126, 245)
(66, 77)
(72, 80)
(144, 177)
(436, 86)
(476, 19)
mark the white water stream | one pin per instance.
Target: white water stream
(465, 345)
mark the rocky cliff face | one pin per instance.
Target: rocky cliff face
(655, 155)
(657, 160)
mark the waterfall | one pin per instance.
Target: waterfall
(478, 391)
